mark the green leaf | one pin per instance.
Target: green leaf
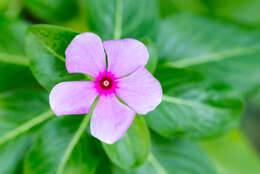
(20, 111)
(233, 154)
(221, 51)
(153, 55)
(133, 149)
(45, 47)
(173, 157)
(12, 59)
(52, 10)
(242, 11)
(13, 152)
(168, 7)
(122, 18)
(192, 107)
(63, 147)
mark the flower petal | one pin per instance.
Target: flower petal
(110, 119)
(125, 55)
(140, 90)
(85, 54)
(68, 98)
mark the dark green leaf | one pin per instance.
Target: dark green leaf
(233, 154)
(122, 18)
(132, 150)
(173, 157)
(192, 107)
(12, 59)
(45, 46)
(52, 10)
(20, 111)
(222, 51)
(63, 147)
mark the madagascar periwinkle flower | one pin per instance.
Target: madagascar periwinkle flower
(122, 75)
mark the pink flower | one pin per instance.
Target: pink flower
(124, 76)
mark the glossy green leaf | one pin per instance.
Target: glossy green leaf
(173, 157)
(63, 147)
(12, 59)
(222, 51)
(45, 46)
(192, 107)
(133, 149)
(52, 10)
(20, 111)
(122, 18)
(233, 154)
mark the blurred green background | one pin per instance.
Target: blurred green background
(237, 152)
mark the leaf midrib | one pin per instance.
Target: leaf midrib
(26, 126)
(37, 37)
(73, 143)
(118, 19)
(159, 168)
(222, 55)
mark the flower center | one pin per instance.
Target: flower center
(106, 83)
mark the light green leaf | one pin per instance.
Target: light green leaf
(168, 7)
(20, 112)
(133, 149)
(45, 47)
(242, 11)
(173, 157)
(52, 10)
(233, 154)
(221, 51)
(122, 18)
(63, 147)
(192, 107)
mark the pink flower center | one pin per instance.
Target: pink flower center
(106, 83)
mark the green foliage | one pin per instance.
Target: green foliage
(205, 66)
(173, 156)
(20, 110)
(221, 51)
(242, 11)
(132, 150)
(52, 10)
(233, 154)
(52, 151)
(168, 7)
(12, 58)
(192, 107)
(122, 18)
(45, 47)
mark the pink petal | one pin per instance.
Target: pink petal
(110, 119)
(85, 54)
(124, 56)
(141, 91)
(68, 98)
